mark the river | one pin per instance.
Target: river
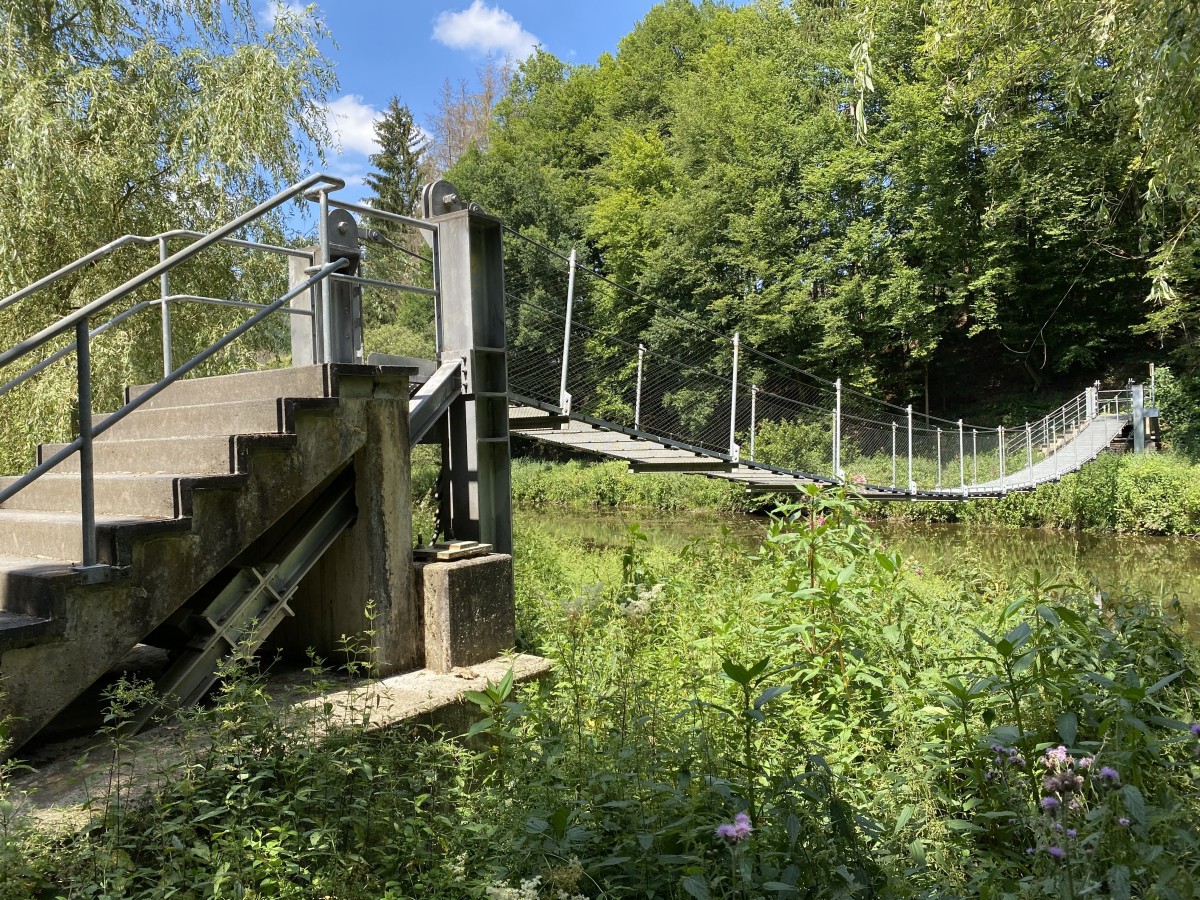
(1162, 567)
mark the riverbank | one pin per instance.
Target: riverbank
(1150, 494)
(799, 722)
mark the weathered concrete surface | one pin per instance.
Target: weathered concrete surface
(101, 623)
(368, 570)
(60, 790)
(469, 610)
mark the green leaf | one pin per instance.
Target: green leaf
(696, 886)
(480, 726)
(735, 673)
(1068, 727)
(770, 694)
(1135, 804)
(1118, 883)
(1162, 683)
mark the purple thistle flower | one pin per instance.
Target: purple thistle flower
(1057, 758)
(1195, 729)
(1086, 762)
(1050, 803)
(1072, 833)
(1123, 822)
(737, 830)
(1108, 773)
(741, 826)
(1056, 852)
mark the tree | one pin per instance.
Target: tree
(398, 324)
(136, 116)
(400, 162)
(464, 112)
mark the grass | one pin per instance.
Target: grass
(1151, 494)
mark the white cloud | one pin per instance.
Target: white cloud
(485, 29)
(272, 10)
(352, 122)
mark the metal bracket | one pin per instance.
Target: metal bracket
(430, 403)
(252, 604)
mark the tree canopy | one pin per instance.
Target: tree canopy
(136, 116)
(891, 191)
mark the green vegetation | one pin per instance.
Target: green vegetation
(577, 484)
(802, 722)
(136, 117)
(896, 193)
(1152, 494)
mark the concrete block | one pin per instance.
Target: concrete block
(470, 614)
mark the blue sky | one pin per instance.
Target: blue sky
(408, 48)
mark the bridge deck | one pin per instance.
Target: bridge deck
(652, 453)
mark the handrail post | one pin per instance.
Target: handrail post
(564, 399)
(164, 284)
(1029, 450)
(753, 416)
(962, 460)
(912, 485)
(974, 457)
(325, 316)
(733, 447)
(939, 457)
(837, 430)
(1000, 433)
(1053, 443)
(87, 487)
(895, 426)
(637, 401)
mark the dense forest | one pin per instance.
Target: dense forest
(896, 193)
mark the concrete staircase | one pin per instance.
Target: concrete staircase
(196, 483)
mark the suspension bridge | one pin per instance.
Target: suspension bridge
(690, 400)
(215, 508)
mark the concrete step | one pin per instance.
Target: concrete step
(199, 455)
(212, 419)
(271, 416)
(57, 535)
(158, 496)
(17, 630)
(308, 381)
(28, 587)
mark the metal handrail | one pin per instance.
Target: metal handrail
(156, 388)
(67, 322)
(126, 240)
(78, 321)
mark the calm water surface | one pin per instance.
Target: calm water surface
(1159, 566)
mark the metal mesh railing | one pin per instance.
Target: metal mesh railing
(664, 374)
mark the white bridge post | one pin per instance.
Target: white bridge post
(837, 430)
(564, 399)
(895, 426)
(912, 485)
(1029, 450)
(753, 415)
(1000, 433)
(974, 457)
(637, 401)
(733, 447)
(962, 461)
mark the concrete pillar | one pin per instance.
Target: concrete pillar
(469, 610)
(371, 562)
